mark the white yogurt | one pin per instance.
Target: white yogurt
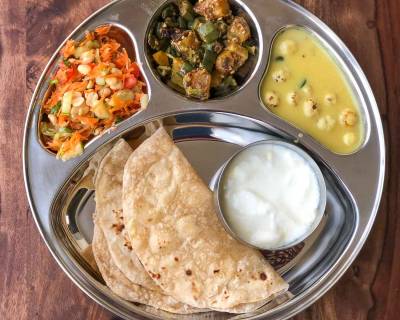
(270, 196)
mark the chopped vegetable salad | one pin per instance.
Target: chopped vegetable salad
(95, 87)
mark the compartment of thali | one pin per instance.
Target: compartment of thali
(307, 85)
(203, 50)
(301, 265)
(95, 85)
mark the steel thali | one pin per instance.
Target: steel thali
(209, 133)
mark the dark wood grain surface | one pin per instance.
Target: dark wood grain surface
(32, 286)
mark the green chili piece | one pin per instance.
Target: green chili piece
(169, 11)
(65, 130)
(186, 67)
(55, 108)
(93, 44)
(222, 27)
(46, 130)
(171, 22)
(208, 32)
(196, 23)
(182, 23)
(66, 62)
(303, 83)
(159, 27)
(208, 61)
(186, 10)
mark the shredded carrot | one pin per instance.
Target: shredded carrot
(103, 30)
(122, 59)
(62, 120)
(68, 49)
(78, 86)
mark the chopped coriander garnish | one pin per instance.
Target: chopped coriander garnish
(55, 108)
(53, 82)
(118, 120)
(303, 83)
(66, 62)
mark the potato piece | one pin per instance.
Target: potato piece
(225, 63)
(231, 59)
(188, 45)
(216, 79)
(197, 84)
(239, 30)
(212, 9)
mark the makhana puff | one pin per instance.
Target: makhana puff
(174, 230)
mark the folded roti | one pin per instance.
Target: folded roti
(174, 230)
(124, 270)
(124, 288)
(108, 196)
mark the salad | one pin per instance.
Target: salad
(95, 87)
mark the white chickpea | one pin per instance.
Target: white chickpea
(348, 118)
(114, 83)
(292, 98)
(310, 108)
(117, 86)
(91, 98)
(84, 69)
(90, 84)
(326, 123)
(280, 76)
(116, 71)
(100, 81)
(271, 99)
(78, 102)
(349, 138)
(288, 47)
(87, 57)
(105, 92)
(330, 99)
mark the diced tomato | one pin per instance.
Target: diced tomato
(135, 70)
(70, 73)
(130, 82)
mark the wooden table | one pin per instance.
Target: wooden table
(32, 286)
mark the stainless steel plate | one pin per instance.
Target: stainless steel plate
(208, 133)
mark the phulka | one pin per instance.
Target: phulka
(174, 230)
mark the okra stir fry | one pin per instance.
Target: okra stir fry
(95, 86)
(199, 47)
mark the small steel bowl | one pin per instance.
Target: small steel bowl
(218, 192)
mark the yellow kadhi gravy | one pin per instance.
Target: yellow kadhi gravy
(305, 86)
